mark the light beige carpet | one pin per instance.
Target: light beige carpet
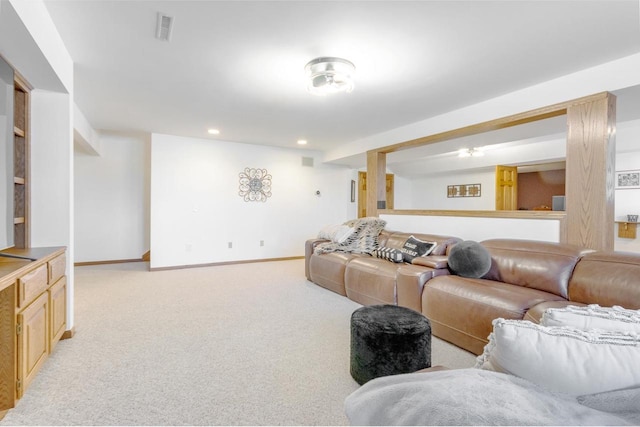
(248, 344)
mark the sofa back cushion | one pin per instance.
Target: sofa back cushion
(533, 264)
(397, 239)
(608, 279)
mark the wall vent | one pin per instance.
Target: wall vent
(307, 161)
(164, 27)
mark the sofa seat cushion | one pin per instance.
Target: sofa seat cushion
(462, 309)
(327, 270)
(371, 281)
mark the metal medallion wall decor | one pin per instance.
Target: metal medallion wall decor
(255, 185)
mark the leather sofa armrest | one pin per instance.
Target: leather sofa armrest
(432, 261)
(410, 280)
(309, 247)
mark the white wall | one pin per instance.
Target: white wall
(112, 199)
(478, 229)
(430, 192)
(402, 192)
(85, 136)
(196, 210)
(51, 168)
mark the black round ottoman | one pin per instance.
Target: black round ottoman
(387, 340)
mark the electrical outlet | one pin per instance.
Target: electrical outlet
(230, 245)
(261, 242)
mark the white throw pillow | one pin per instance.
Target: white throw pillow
(336, 233)
(593, 316)
(563, 359)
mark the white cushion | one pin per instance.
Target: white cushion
(563, 359)
(593, 317)
(336, 233)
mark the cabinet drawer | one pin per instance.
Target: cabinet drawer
(57, 267)
(31, 285)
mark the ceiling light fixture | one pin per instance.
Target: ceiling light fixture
(471, 152)
(329, 75)
(302, 142)
(213, 132)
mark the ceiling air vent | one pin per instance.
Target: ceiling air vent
(307, 161)
(164, 27)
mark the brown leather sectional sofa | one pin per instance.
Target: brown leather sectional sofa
(369, 280)
(526, 278)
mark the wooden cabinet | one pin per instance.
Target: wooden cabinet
(34, 294)
(626, 229)
(33, 341)
(58, 310)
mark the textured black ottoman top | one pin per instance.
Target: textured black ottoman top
(391, 319)
(388, 340)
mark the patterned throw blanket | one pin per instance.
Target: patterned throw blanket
(363, 240)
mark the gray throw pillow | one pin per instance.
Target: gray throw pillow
(469, 259)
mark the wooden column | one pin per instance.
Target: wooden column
(376, 174)
(590, 173)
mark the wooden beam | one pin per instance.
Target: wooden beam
(590, 173)
(551, 215)
(376, 189)
(491, 125)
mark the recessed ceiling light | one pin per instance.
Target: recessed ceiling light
(213, 131)
(302, 142)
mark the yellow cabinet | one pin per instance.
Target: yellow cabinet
(31, 285)
(33, 294)
(33, 340)
(57, 310)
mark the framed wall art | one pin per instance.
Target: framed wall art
(464, 190)
(627, 179)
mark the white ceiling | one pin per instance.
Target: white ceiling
(238, 65)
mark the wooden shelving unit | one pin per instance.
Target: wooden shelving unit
(21, 163)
